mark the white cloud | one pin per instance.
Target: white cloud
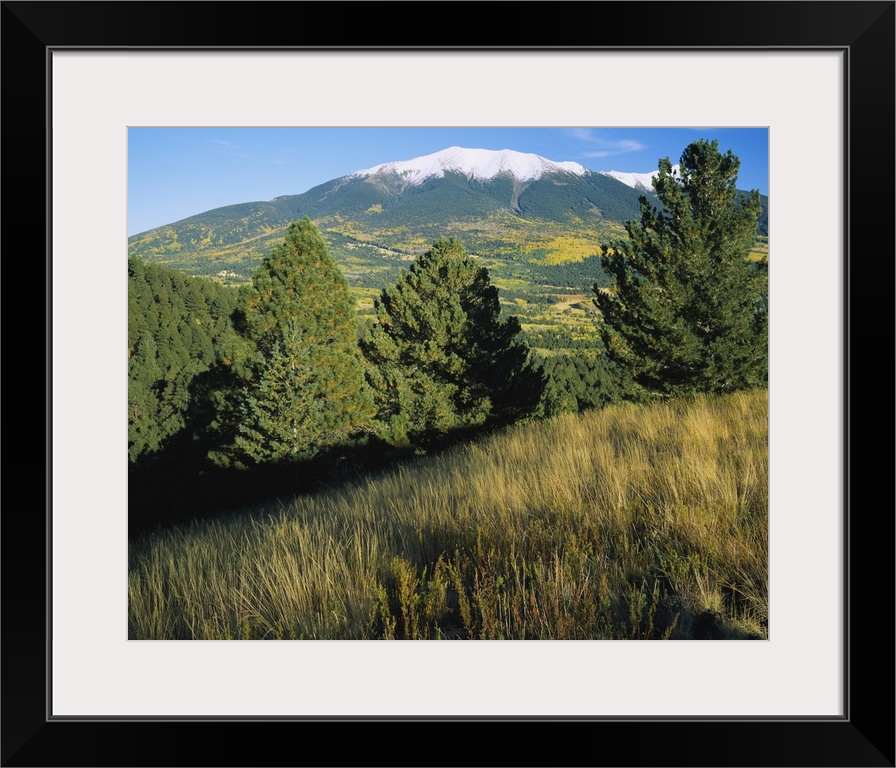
(602, 147)
(583, 134)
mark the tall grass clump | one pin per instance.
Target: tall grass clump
(632, 522)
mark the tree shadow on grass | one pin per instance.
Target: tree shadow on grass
(180, 485)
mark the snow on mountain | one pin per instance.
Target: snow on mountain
(480, 164)
(638, 180)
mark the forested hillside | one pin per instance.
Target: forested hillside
(375, 222)
(176, 327)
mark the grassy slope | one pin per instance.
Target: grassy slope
(634, 522)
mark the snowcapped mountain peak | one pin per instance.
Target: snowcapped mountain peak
(639, 180)
(480, 164)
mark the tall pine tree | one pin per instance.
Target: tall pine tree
(300, 378)
(440, 356)
(688, 310)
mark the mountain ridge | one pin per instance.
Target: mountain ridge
(479, 164)
(509, 208)
(642, 181)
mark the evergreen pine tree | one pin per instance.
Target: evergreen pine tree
(441, 357)
(688, 310)
(299, 377)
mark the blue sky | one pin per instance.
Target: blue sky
(174, 173)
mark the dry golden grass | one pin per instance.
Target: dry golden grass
(633, 522)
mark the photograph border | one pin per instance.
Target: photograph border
(31, 31)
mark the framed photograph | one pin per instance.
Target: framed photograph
(818, 76)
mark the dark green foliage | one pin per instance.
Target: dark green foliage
(594, 195)
(285, 414)
(579, 375)
(568, 390)
(577, 275)
(762, 221)
(440, 356)
(175, 324)
(428, 202)
(298, 380)
(688, 311)
(578, 382)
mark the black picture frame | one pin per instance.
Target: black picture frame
(864, 736)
